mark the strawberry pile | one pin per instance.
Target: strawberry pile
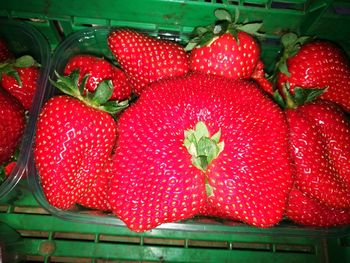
(201, 130)
(18, 82)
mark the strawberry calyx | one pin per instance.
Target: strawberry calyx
(225, 23)
(203, 148)
(291, 44)
(99, 99)
(300, 96)
(8, 67)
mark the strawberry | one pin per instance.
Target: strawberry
(12, 124)
(99, 70)
(74, 138)
(20, 78)
(5, 53)
(320, 149)
(320, 145)
(306, 211)
(212, 140)
(9, 167)
(262, 79)
(147, 59)
(308, 63)
(226, 49)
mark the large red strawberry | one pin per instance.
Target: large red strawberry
(320, 141)
(20, 78)
(225, 49)
(12, 123)
(147, 59)
(306, 211)
(202, 138)
(320, 146)
(308, 63)
(74, 140)
(99, 70)
(5, 53)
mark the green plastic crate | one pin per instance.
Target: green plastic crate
(48, 238)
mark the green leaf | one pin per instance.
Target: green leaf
(207, 148)
(65, 84)
(103, 92)
(114, 106)
(216, 136)
(190, 46)
(83, 85)
(303, 39)
(289, 39)
(302, 96)
(4, 65)
(200, 30)
(200, 162)
(14, 73)
(25, 61)
(206, 39)
(283, 68)
(251, 28)
(279, 99)
(208, 188)
(223, 14)
(201, 130)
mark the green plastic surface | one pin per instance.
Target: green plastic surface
(49, 239)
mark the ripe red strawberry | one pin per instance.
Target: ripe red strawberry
(225, 49)
(12, 123)
(20, 78)
(240, 163)
(305, 211)
(259, 75)
(82, 62)
(99, 70)
(9, 168)
(147, 59)
(74, 139)
(5, 53)
(312, 64)
(320, 141)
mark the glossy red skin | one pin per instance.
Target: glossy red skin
(305, 211)
(9, 168)
(99, 70)
(12, 124)
(154, 180)
(147, 59)
(259, 75)
(320, 64)
(320, 149)
(227, 57)
(72, 145)
(96, 197)
(25, 92)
